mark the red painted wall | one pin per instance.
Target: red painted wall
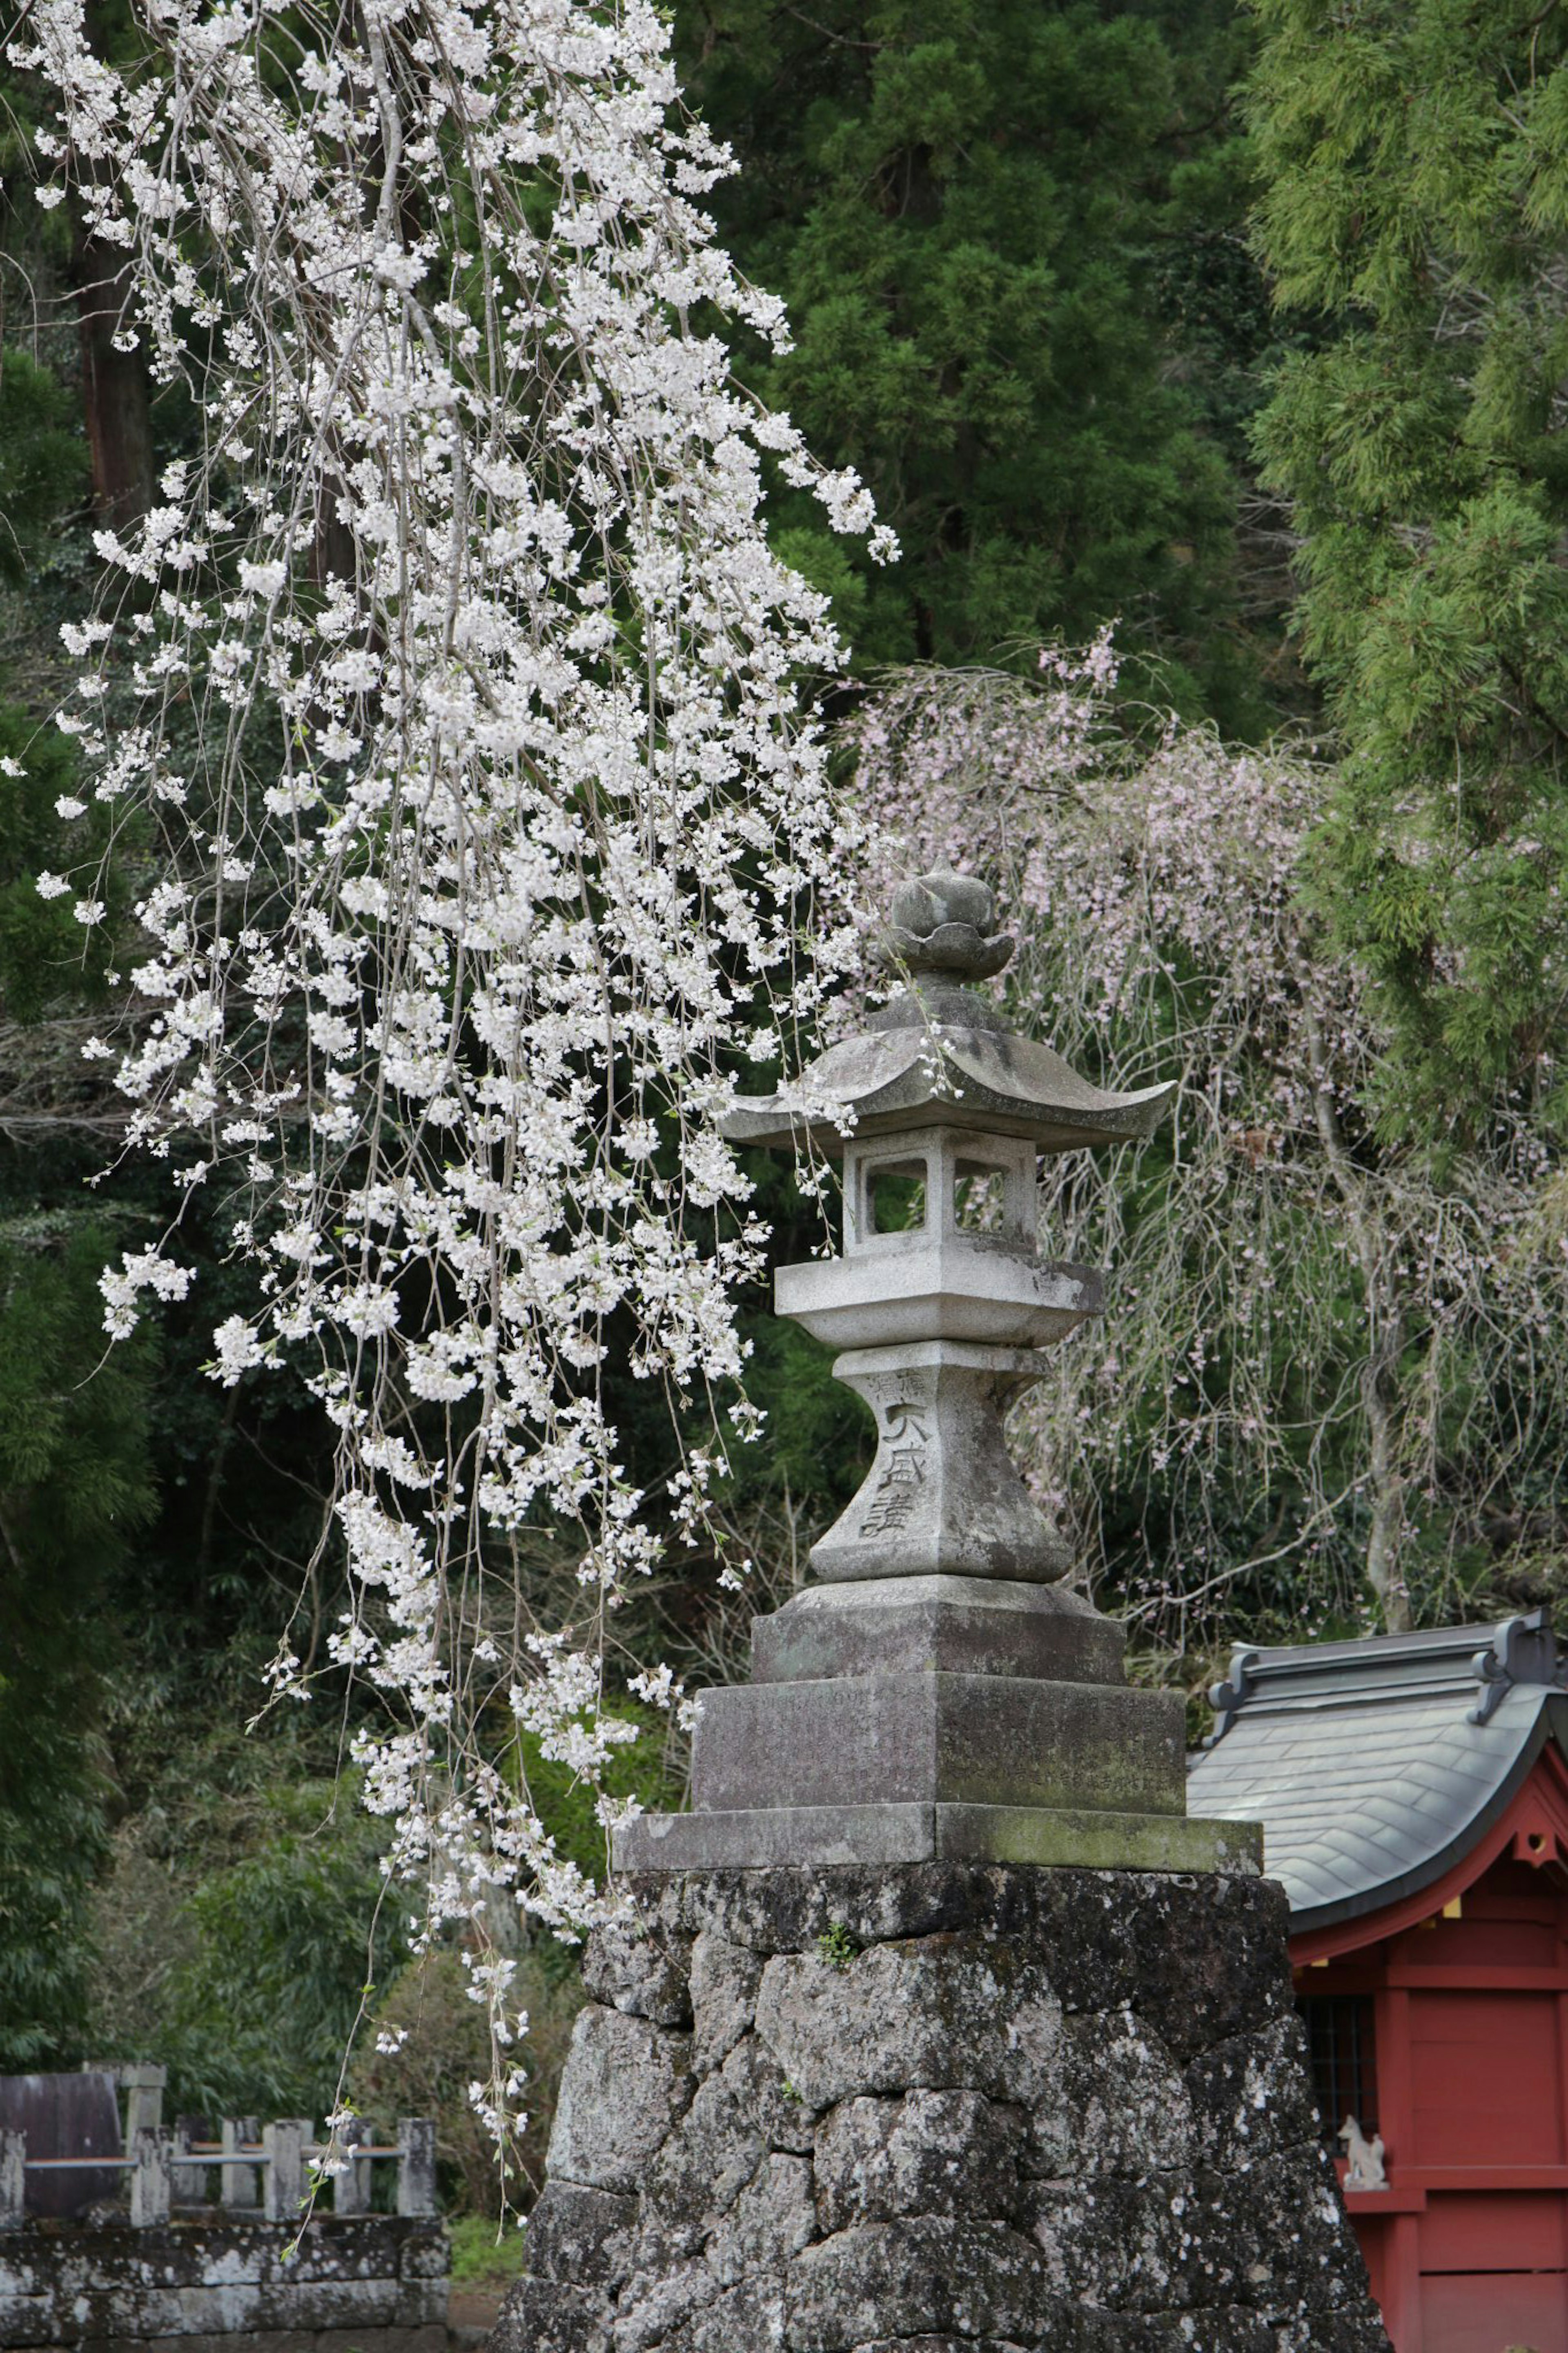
(1467, 2247)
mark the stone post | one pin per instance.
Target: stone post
(189, 2181)
(937, 2021)
(351, 2188)
(238, 2184)
(283, 2171)
(150, 2178)
(144, 2088)
(415, 2165)
(13, 2179)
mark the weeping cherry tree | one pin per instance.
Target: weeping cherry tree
(449, 703)
(1332, 1379)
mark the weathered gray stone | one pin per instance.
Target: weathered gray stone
(541, 2316)
(1287, 2212)
(740, 2113)
(1251, 2097)
(624, 2084)
(581, 2235)
(938, 2345)
(654, 2306)
(1118, 2102)
(900, 2278)
(942, 2345)
(417, 2166)
(377, 2281)
(724, 1981)
(1231, 2330)
(938, 2014)
(751, 2316)
(425, 2337)
(946, 2153)
(712, 2153)
(759, 1837)
(1094, 1838)
(829, 1837)
(1136, 2246)
(943, 1739)
(787, 2116)
(1221, 1974)
(626, 1968)
(785, 1911)
(937, 1625)
(1102, 1935)
(1080, 2331)
(771, 2221)
(1270, 2235)
(1237, 2329)
(974, 2110)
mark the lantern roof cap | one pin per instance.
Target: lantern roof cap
(940, 1055)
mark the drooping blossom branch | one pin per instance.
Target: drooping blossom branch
(464, 695)
(1334, 1373)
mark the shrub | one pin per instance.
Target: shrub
(447, 2049)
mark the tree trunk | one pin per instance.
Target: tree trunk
(1385, 1572)
(1385, 1341)
(116, 394)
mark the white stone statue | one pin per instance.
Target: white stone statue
(1365, 2171)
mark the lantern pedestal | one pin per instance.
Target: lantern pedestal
(943, 1496)
(943, 2107)
(887, 1831)
(911, 1719)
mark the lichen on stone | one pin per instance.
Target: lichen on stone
(1011, 2109)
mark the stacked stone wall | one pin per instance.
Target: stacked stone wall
(940, 2109)
(375, 2284)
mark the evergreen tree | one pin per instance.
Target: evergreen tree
(74, 1486)
(1415, 164)
(1006, 235)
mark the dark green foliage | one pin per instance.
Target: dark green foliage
(1008, 236)
(45, 954)
(818, 1438)
(482, 2259)
(281, 1948)
(74, 1487)
(1415, 166)
(638, 1768)
(43, 460)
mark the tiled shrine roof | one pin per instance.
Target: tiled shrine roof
(1374, 1766)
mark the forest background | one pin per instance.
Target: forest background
(1242, 329)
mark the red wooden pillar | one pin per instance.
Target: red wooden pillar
(1397, 2122)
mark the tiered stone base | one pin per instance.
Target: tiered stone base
(941, 2108)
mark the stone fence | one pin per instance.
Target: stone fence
(177, 2270)
(272, 2173)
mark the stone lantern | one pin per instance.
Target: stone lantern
(936, 2024)
(937, 1689)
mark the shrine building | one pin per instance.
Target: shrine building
(1413, 1790)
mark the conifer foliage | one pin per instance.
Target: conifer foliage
(1414, 161)
(73, 1488)
(1002, 227)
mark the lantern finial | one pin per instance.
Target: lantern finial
(942, 923)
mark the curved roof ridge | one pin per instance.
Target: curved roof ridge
(1485, 1658)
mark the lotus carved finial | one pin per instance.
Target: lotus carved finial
(942, 923)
